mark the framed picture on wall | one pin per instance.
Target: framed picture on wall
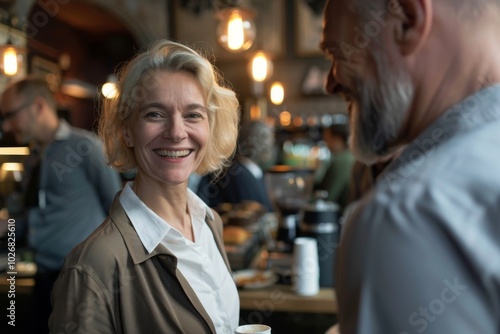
(308, 25)
(47, 69)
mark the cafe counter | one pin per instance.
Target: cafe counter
(281, 298)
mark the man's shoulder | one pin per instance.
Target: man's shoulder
(464, 162)
(83, 134)
(447, 194)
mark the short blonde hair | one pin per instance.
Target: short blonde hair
(134, 79)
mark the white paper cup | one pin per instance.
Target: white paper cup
(253, 328)
(305, 266)
(305, 254)
(306, 284)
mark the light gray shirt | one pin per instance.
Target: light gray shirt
(421, 253)
(76, 189)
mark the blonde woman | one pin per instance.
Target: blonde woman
(157, 263)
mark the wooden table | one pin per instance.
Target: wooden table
(281, 298)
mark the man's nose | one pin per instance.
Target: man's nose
(332, 85)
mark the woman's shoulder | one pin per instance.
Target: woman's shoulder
(102, 250)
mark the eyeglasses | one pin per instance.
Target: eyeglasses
(10, 114)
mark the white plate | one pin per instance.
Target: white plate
(254, 279)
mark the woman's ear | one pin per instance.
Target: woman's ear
(413, 21)
(127, 136)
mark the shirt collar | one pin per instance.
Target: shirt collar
(150, 228)
(477, 110)
(63, 131)
(252, 167)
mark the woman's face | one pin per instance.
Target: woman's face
(170, 130)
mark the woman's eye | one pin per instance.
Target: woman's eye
(193, 115)
(153, 114)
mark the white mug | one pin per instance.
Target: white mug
(253, 328)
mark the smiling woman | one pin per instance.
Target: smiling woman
(170, 133)
(140, 77)
(166, 121)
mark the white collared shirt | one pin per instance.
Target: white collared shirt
(200, 262)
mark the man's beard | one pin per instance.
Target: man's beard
(379, 110)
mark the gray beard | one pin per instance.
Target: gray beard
(381, 108)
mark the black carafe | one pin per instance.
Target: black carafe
(321, 221)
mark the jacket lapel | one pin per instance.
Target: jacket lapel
(139, 254)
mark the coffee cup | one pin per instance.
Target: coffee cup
(253, 328)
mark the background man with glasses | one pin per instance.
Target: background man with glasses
(68, 187)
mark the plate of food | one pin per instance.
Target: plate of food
(254, 279)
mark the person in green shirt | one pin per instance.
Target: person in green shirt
(338, 173)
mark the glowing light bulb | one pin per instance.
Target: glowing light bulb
(10, 61)
(109, 90)
(255, 112)
(277, 93)
(285, 118)
(235, 31)
(260, 67)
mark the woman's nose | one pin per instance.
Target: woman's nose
(175, 130)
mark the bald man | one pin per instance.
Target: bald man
(421, 253)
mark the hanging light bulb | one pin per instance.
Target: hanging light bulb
(277, 93)
(261, 67)
(235, 33)
(11, 52)
(110, 89)
(10, 61)
(255, 112)
(285, 118)
(236, 30)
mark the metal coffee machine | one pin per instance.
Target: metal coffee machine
(321, 221)
(289, 189)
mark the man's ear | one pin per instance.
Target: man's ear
(39, 104)
(413, 21)
(126, 136)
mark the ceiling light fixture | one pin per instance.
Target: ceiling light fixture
(277, 93)
(110, 89)
(236, 30)
(12, 52)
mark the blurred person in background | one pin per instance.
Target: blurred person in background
(420, 252)
(244, 180)
(68, 189)
(336, 179)
(157, 264)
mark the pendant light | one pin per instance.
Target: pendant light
(10, 60)
(236, 30)
(11, 53)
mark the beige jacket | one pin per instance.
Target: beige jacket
(110, 284)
